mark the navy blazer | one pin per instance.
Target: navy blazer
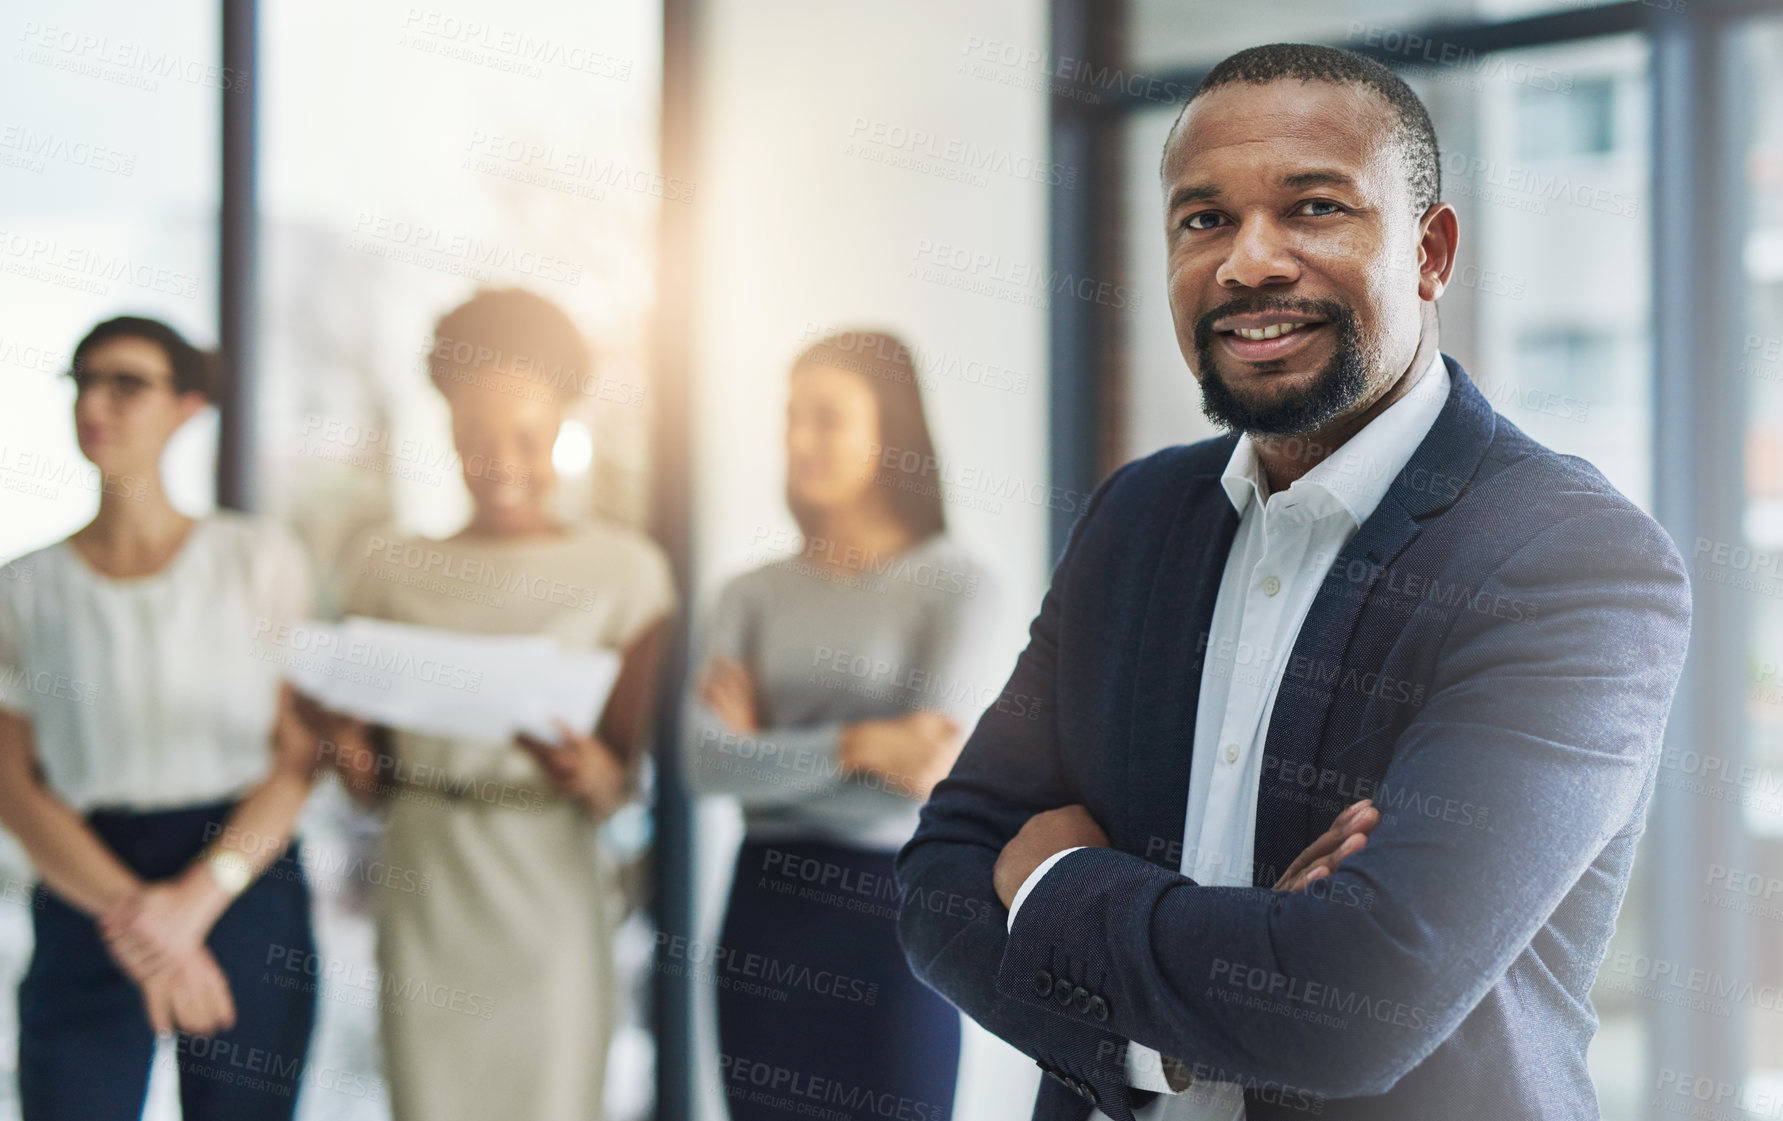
(1491, 658)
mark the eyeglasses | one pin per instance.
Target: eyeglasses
(121, 386)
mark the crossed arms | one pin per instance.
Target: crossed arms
(1552, 724)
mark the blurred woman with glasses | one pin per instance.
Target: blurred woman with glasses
(836, 687)
(153, 765)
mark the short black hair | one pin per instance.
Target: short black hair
(194, 371)
(507, 338)
(1308, 62)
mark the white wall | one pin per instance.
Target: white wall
(804, 226)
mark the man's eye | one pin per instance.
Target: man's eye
(1319, 208)
(1202, 220)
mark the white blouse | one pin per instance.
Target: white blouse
(156, 691)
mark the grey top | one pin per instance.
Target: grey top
(829, 647)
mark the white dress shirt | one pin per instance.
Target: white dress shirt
(160, 691)
(1284, 546)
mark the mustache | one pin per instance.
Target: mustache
(1334, 311)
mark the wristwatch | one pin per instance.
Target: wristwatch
(230, 869)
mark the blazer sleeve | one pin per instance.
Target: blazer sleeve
(1549, 724)
(951, 922)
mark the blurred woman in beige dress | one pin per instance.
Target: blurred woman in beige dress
(497, 987)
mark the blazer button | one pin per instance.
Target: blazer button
(1043, 983)
(1098, 1008)
(1080, 999)
(1061, 989)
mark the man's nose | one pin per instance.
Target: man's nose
(1259, 257)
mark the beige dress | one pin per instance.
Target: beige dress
(496, 989)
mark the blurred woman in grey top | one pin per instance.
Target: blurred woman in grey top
(835, 686)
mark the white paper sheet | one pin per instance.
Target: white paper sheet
(450, 683)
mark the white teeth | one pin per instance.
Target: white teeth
(1273, 331)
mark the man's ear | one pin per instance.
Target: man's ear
(1439, 236)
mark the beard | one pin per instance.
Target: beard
(1336, 387)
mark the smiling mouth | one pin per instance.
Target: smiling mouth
(1273, 331)
(1270, 342)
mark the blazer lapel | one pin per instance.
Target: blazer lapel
(1167, 688)
(1291, 809)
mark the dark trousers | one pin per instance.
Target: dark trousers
(85, 1044)
(817, 1010)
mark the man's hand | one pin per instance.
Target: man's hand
(1044, 834)
(1343, 840)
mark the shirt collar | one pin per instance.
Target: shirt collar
(1354, 478)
